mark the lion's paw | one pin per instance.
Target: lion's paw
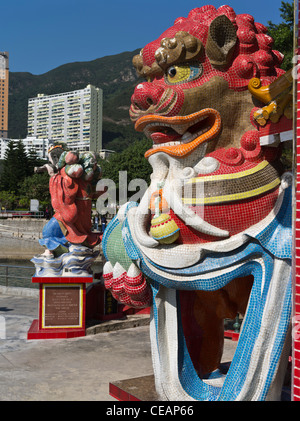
(128, 288)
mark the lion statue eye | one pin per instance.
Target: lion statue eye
(183, 73)
(172, 72)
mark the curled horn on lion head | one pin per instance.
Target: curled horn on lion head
(172, 50)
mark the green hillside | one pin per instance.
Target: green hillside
(115, 75)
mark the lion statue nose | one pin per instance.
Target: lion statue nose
(146, 94)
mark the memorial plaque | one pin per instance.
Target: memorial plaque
(62, 306)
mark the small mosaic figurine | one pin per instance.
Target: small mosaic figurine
(72, 185)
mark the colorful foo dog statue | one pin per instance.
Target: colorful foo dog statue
(211, 238)
(67, 237)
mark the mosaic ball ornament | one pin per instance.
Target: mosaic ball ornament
(164, 229)
(217, 107)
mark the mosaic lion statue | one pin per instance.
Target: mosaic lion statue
(211, 238)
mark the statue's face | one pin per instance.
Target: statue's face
(197, 76)
(54, 155)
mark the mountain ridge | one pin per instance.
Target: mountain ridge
(114, 74)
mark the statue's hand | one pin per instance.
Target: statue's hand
(128, 288)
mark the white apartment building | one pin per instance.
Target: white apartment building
(40, 146)
(71, 117)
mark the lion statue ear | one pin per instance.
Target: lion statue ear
(221, 41)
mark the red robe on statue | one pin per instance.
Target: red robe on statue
(71, 200)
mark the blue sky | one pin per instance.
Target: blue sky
(41, 35)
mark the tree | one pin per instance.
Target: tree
(8, 200)
(33, 161)
(283, 33)
(132, 161)
(17, 165)
(22, 163)
(9, 176)
(35, 186)
(283, 36)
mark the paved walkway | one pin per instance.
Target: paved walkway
(65, 369)
(78, 369)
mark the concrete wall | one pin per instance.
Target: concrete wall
(19, 248)
(29, 224)
(19, 238)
